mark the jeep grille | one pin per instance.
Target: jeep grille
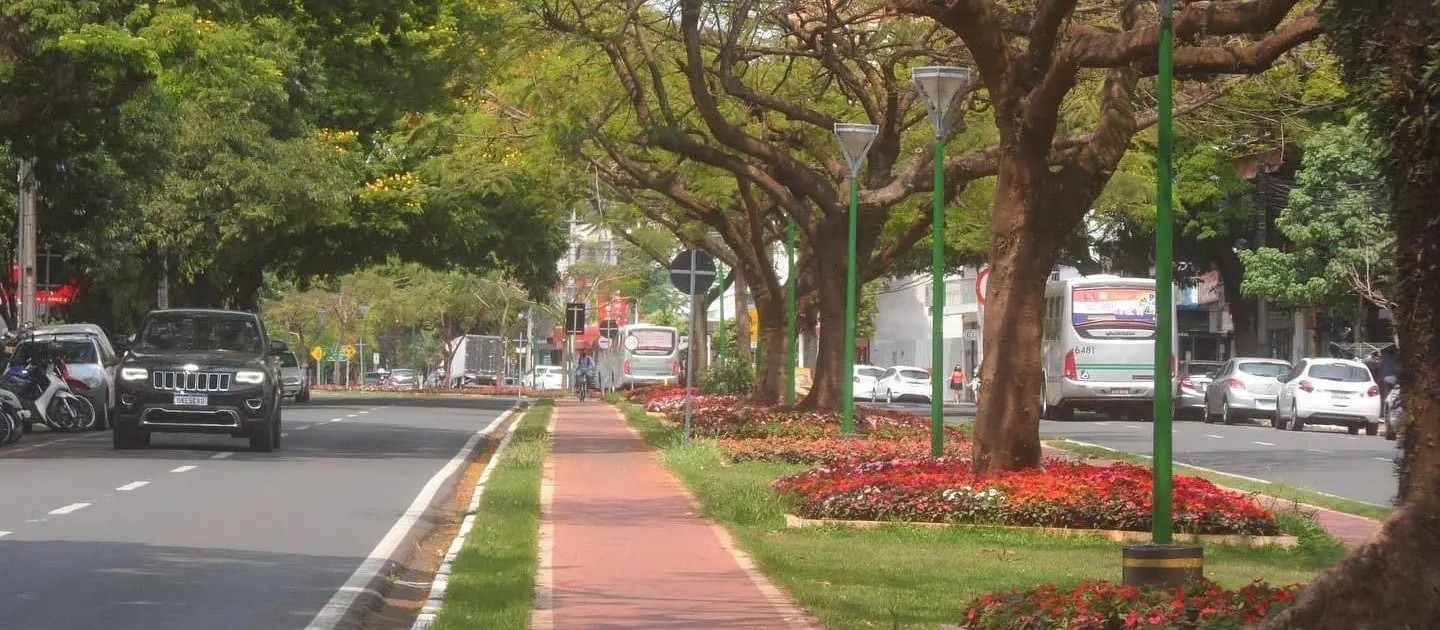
(190, 381)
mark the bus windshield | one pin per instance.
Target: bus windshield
(1113, 312)
(653, 342)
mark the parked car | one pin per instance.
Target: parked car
(294, 377)
(545, 377)
(1329, 391)
(403, 378)
(88, 355)
(866, 376)
(904, 381)
(1245, 387)
(1195, 376)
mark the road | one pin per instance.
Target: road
(1320, 458)
(197, 532)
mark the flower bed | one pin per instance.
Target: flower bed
(1063, 494)
(835, 450)
(483, 390)
(1100, 605)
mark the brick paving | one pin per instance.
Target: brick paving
(630, 549)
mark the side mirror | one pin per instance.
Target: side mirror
(278, 347)
(125, 343)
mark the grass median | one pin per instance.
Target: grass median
(492, 584)
(1277, 490)
(912, 577)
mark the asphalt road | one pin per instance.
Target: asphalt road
(1320, 458)
(198, 533)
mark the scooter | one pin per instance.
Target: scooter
(1392, 410)
(12, 425)
(47, 393)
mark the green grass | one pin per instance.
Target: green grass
(492, 584)
(911, 577)
(1278, 490)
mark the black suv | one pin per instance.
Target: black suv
(199, 371)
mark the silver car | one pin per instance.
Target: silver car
(89, 356)
(294, 377)
(1244, 388)
(1195, 376)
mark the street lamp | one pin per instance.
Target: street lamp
(792, 352)
(364, 313)
(570, 292)
(941, 87)
(855, 140)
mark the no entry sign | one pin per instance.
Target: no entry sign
(692, 272)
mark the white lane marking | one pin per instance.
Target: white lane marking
(134, 485)
(365, 412)
(11, 450)
(334, 611)
(1382, 459)
(1133, 426)
(222, 455)
(1262, 443)
(1190, 466)
(1320, 450)
(1102, 423)
(302, 428)
(69, 508)
(336, 419)
(1212, 435)
(353, 415)
(287, 434)
(183, 469)
(4, 534)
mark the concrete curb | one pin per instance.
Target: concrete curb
(436, 599)
(365, 590)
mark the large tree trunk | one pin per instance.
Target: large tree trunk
(1244, 311)
(742, 315)
(774, 349)
(830, 301)
(1026, 234)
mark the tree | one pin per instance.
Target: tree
(1028, 67)
(1344, 248)
(1390, 51)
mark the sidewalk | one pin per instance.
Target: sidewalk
(629, 548)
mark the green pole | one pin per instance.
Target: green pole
(790, 313)
(847, 377)
(1161, 518)
(937, 305)
(720, 341)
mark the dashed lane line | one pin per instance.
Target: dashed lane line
(4, 534)
(1261, 443)
(183, 469)
(73, 507)
(1212, 435)
(222, 455)
(134, 485)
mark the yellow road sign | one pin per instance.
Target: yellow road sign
(317, 353)
(349, 351)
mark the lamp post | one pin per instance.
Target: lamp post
(570, 291)
(855, 140)
(941, 87)
(364, 313)
(793, 337)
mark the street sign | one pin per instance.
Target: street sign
(982, 280)
(609, 330)
(692, 272)
(349, 351)
(632, 342)
(603, 342)
(317, 353)
(575, 318)
(972, 335)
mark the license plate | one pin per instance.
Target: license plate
(1120, 391)
(1266, 402)
(1339, 396)
(191, 400)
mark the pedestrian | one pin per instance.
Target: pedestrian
(1389, 369)
(1373, 363)
(957, 383)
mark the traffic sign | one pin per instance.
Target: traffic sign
(317, 353)
(575, 318)
(632, 342)
(692, 272)
(982, 280)
(609, 329)
(603, 343)
(349, 351)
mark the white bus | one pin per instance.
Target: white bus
(644, 354)
(1099, 346)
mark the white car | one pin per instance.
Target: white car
(903, 381)
(866, 376)
(545, 377)
(1329, 391)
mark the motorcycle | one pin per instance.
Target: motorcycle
(12, 426)
(1392, 409)
(45, 391)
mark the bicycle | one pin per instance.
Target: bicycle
(582, 385)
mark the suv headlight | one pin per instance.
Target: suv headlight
(134, 374)
(253, 377)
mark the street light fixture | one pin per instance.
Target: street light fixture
(941, 87)
(364, 313)
(855, 140)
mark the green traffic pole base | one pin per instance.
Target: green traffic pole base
(1165, 566)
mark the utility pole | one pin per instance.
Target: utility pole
(27, 311)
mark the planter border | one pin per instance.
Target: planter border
(1113, 535)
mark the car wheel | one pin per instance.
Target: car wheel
(1372, 429)
(303, 396)
(102, 417)
(262, 439)
(1296, 424)
(889, 396)
(1225, 417)
(1277, 420)
(1353, 429)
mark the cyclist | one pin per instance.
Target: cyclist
(584, 371)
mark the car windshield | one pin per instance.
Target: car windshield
(1113, 312)
(68, 350)
(917, 375)
(1200, 369)
(1270, 370)
(871, 372)
(288, 360)
(199, 332)
(1340, 372)
(403, 374)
